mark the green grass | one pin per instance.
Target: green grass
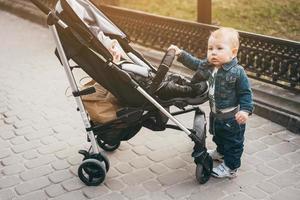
(279, 18)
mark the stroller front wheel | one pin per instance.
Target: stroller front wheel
(92, 172)
(200, 174)
(108, 147)
(203, 173)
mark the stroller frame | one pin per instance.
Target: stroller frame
(95, 165)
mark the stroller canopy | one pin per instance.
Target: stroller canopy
(93, 18)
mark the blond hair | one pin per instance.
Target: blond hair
(230, 34)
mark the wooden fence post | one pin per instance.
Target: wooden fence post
(204, 11)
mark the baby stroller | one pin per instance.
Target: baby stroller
(74, 34)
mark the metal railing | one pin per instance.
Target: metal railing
(265, 58)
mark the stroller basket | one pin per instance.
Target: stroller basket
(80, 31)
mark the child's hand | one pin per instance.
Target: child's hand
(241, 117)
(114, 52)
(176, 48)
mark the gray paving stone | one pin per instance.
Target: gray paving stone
(36, 172)
(11, 120)
(113, 196)
(32, 185)
(112, 173)
(141, 150)
(133, 192)
(287, 193)
(9, 181)
(4, 144)
(26, 146)
(285, 135)
(174, 163)
(54, 190)
(152, 186)
(93, 192)
(126, 155)
(66, 152)
(293, 157)
(272, 127)
(38, 195)
(124, 146)
(22, 123)
(137, 177)
(159, 196)
(284, 148)
(7, 194)
(210, 193)
(6, 135)
(237, 196)
(256, 134)
(13, 169)
(158, 169)
(173, 177)
(52, 148)
(285, 179)
(39, 134)
(60, 164)
(75, 159)
(255, 193)
(161, 155)
(265, 170)
(254, 147)
(124, 168)
(14, 159)
(157, 144)
(60, 176)
(271, 140)
(267, 155)
(43, 160)
(280, 164)
(24, 130)
(72, 184)
(63, 129)
(140, 162)
(182, 189)
(268, 187)
(18, 140)
(114, 184)
(5, 153)
(296, 140)
(74, 195)
(249, 179)
(31, 154)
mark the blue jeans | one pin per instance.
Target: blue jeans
(229, 138)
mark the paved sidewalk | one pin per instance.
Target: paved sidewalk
(41, 132)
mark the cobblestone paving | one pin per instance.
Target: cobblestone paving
(41, 132)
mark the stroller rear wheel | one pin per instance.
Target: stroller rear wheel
(92, 172)
(108, 147)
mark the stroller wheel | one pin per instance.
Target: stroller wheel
(108, 147)
(106, 161)
(92, 172)
(202, 173)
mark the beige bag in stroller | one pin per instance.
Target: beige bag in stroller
(101, 105)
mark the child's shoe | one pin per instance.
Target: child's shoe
(215, 155)
(222, 171)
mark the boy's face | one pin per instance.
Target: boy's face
(220, 50)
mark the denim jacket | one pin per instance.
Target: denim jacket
(232, 87)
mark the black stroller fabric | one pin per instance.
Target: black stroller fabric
(80, 46)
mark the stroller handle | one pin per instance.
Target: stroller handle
(42, 7)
